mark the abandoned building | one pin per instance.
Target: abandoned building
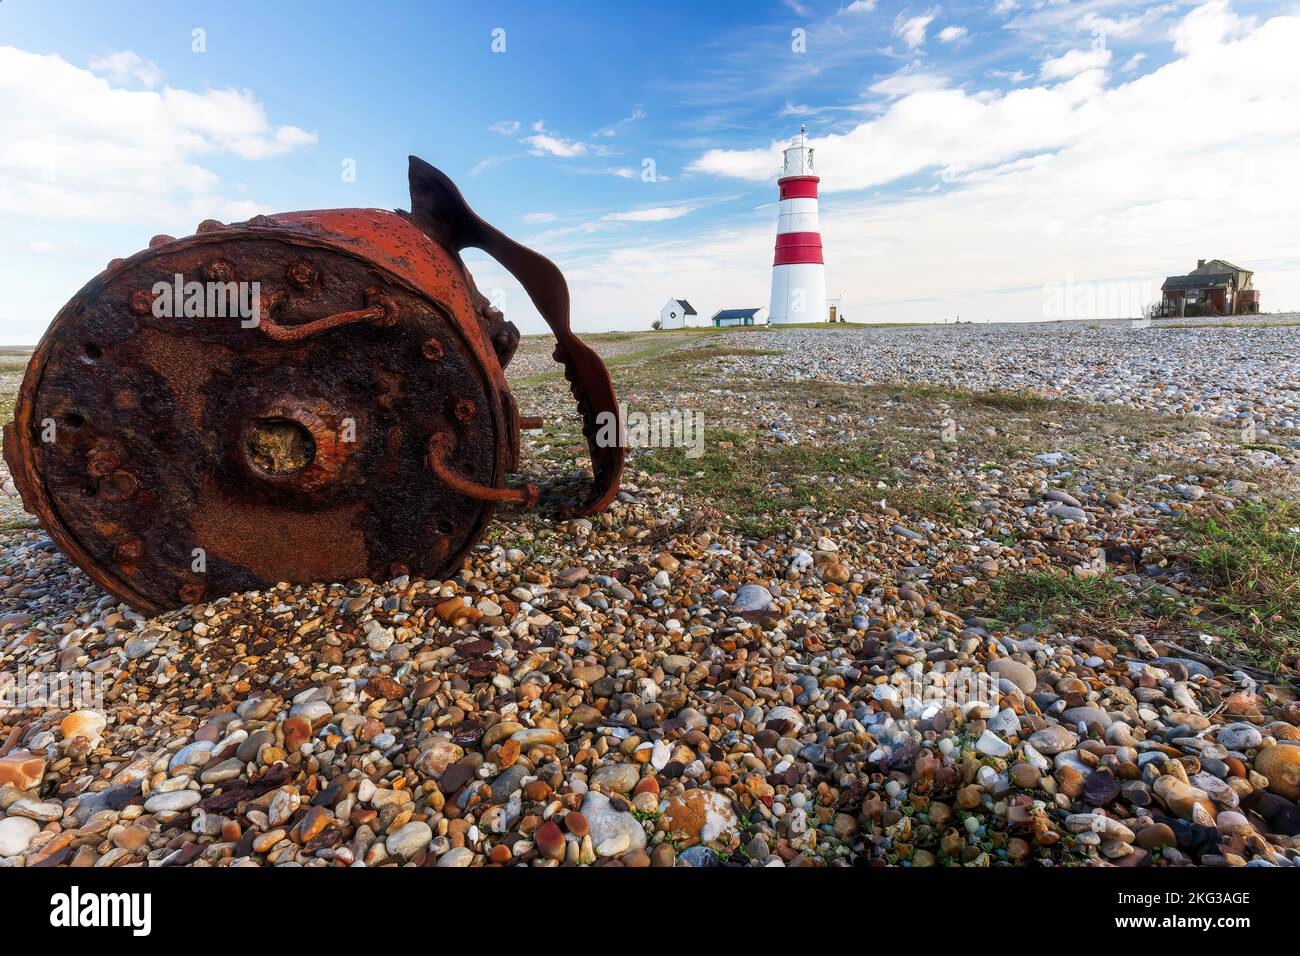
(1214, 287)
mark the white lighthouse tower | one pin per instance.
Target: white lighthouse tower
(798, 275)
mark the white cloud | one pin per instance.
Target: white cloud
(949, 129)
(1074, 62)
(488, 162)
(911, 30)
(1071, 181)
(1004, 6)
(904, 84)
(124, 64)
(505, 127)
(613, 128)
(860, 6)
(78, 148)
(1133, 62)
(1092, 22)
(535, 217)
(655, 214)
(951, 34)
(1208, 26)
(544, 143)
(755, 165)
(1014, 76)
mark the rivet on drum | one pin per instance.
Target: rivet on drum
(302, 274)
(101, 463)
(220, 270)
(128, 552)
(142, 302)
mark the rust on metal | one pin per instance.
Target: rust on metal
(357, 424)
(440, 447)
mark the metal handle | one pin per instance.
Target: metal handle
(440, 445)
(380, 309)
(440, 210)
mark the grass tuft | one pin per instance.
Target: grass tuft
(752, 483)
(1042, 595)
(1251, 556)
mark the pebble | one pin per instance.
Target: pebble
(409, 839)
(1019, 674)
(991, 745)
(612, 831)
(1053, 739)
(175, 801)
(615, 778)
(1281, 765)
(666, 683)
(752, 598)
(16, 834)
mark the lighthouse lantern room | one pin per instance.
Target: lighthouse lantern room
(798, 273)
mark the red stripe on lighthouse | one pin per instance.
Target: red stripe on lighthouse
(799, 187)
(796, 247)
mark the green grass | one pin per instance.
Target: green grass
(685, 365)
(1008, 401)
(1251, 557)
(1248, 560)
(1000, 399)
(928, 502)
(754, 485)
(650, 356)
(1042, 595)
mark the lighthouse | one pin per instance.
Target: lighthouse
(798, 275)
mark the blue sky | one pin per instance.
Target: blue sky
(978, 158)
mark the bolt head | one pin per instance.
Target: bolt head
(128, 552)
(302, 274)
(102, 463)
(220, 270)
(142, 302)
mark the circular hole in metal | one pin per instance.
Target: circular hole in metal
(93, 351)
(279, 446)
(73, 420)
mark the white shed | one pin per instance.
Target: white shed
(673, 314)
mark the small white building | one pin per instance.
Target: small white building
(673, 314)
(725, 317)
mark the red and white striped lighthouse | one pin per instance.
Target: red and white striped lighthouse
(798, 274)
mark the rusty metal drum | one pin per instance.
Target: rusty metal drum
(309, 396)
